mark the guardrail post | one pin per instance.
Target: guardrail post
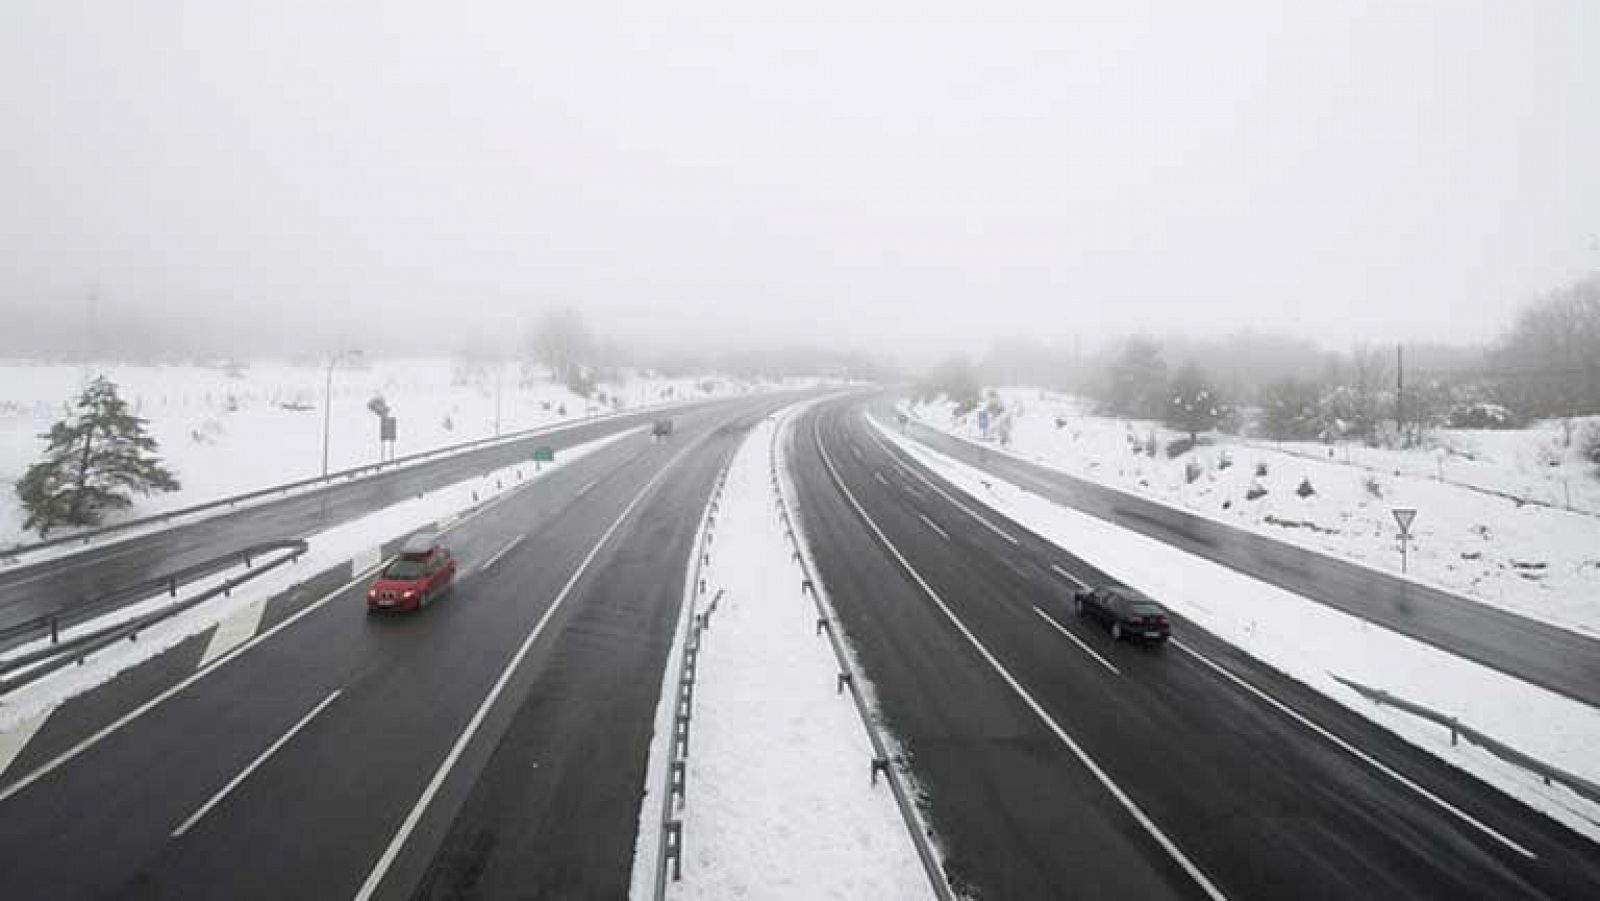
(822, 623)
(844, 679)
(1455, 728)
(55, 630)
(681, 734)
(674, 849)
(806, 586)
(680, 780)
(879, 765)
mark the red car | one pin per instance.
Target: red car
(422, 571)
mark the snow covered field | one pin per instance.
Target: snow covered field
(356, 542)
(778, 801)
(1313, 644)
(226, 431)
(1538, 561)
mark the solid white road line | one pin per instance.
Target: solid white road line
(234, 631)
(1371, 761)
(1088, 762)
(585, 489)
(881, 480)
(501, 553)
(254, 765)
(947, 496)
(379, 869)
(930, 523)
(13, 740)
(203, 671)
(1068, 576)
(151, 704)
(1077, 641)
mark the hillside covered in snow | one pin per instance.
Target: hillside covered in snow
(1510, 518)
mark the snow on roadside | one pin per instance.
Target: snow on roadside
(1312, 643)
(778, 802)
(224, 430)
(1536, 561)
(355, 542)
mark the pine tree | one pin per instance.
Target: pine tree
(1193, 405)
(94, 459)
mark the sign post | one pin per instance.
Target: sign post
(1403, 517)
(543, 454)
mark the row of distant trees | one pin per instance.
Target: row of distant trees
(1546, 365)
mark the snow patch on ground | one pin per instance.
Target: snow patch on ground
(1312, 643)
(333, 547)
(779, 802)
(1537, 561)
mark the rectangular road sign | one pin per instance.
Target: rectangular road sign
(544, 453)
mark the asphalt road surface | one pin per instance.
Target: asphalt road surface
(30, 591)
(493, 744)
(1562, 661)
(1057, 764)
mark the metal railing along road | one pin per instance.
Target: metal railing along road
(87, 536)
(1458, 729)
(882, 762)
(57, 652)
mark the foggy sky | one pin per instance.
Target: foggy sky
(911, 177)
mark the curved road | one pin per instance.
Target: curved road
(1560, 660)
(1055, 763)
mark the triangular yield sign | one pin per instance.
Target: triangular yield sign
(1404, 516)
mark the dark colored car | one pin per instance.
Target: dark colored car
(1126, 612)
(661, 428)
(423, 570)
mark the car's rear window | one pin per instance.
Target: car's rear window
(405, 568)
(1146, 609)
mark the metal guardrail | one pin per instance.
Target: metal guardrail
(881, 760)
(86, 537)
(677, 773)
(1459, 730)
(59, 652)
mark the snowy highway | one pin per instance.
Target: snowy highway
(1056, 763)
(1561, 660)
(497, 740)
(29, 590)
(497, 743)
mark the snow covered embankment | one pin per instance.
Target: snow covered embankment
(1313, 644)
(228, 431)
(778, 802)
(1541, 562)
(356, 543)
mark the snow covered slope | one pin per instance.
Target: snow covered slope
(227, 431)
(1537, 561)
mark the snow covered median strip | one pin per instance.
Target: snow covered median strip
(1315, 644)
(779, 799)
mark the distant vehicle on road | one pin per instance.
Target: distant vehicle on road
(423, 570)
(662, 428)
(1127, 613)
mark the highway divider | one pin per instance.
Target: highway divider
(695, 623)
(891, 766)
(55, 651)
(283, 489)
(1458, 730)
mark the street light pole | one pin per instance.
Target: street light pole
(499, 372)
(327, 404)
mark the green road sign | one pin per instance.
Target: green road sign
(544, 453)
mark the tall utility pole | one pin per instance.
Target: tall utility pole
(327, 403)
(499, 370)
(1400, 394)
